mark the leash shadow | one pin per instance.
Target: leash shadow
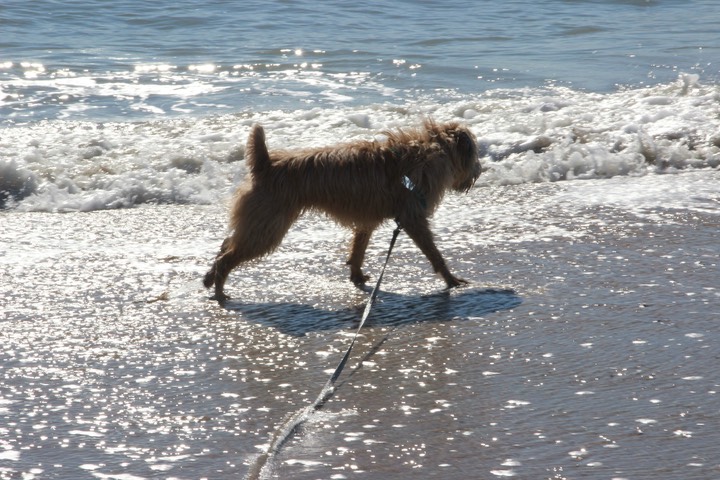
(390, 309)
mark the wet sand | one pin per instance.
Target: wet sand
(585, 347)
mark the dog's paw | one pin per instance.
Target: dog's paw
(359, 278)
(220, 297)
(453, 282)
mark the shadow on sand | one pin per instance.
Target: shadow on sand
(390, 309)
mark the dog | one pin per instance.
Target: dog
(359, 184)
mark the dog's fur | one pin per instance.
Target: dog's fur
(359, 184)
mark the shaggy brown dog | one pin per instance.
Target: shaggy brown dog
(359, 184)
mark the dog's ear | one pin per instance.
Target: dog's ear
(466, 145)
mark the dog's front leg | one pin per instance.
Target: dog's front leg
(418, 229)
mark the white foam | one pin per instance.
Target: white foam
(525, 136)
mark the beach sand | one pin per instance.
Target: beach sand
(586, 345)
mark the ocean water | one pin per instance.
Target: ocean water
(585, 346)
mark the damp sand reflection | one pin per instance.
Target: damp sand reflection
(593, 356)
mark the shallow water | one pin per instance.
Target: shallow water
(584, 347)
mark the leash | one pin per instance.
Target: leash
(288, 429)
(329, 387)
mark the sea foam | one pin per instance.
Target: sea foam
(526, 135)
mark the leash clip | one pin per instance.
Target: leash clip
(407, 183)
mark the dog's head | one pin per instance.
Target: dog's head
(463, 150)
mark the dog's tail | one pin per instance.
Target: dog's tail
(257, 156)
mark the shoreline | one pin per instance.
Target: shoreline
(585, 343)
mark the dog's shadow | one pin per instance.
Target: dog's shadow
(390, 309)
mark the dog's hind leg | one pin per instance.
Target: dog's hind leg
(418, 229)
(209, 279)
(260, 225)
(357, 254)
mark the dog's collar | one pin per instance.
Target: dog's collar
(410, 185)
